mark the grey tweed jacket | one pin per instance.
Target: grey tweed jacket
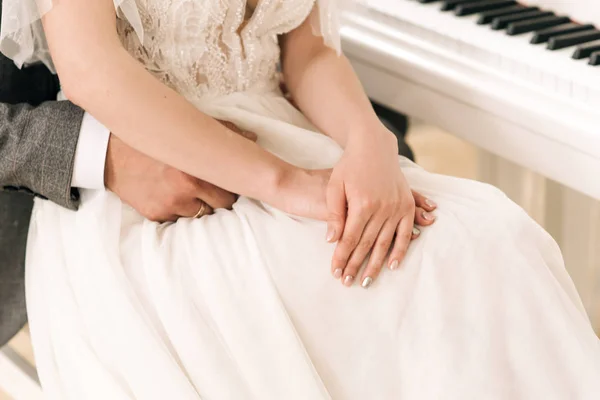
(38, 138)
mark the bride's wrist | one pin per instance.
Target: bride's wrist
(375, 136)
(278, 180)
(293, 179)
(288, 176)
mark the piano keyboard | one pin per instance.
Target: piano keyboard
(558, 31)
(522, 83)
(528, 43)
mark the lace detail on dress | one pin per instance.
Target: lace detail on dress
(205, 48)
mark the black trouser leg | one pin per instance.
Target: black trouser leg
(15, 213)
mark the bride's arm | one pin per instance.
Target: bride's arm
(100, 76)
(316, 77)
(368, 198)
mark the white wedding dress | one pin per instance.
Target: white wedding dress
(242, 305)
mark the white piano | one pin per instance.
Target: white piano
(532, 109)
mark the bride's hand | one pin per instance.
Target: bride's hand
(371, 208)
(302, 193)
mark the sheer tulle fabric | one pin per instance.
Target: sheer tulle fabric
(22, 37)
(325, 20)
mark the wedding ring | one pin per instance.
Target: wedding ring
(201, 211)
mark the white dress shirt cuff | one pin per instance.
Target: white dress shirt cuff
(90, 155)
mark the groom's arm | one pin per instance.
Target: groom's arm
(38, 137)
(37, 148)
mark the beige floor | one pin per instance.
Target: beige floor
(435, 150)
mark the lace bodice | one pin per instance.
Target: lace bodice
(200, 48)
(212, 47)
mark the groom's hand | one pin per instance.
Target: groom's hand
(157, 191)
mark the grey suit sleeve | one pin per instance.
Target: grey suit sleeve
(37, 149)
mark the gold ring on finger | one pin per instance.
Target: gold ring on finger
(201, 211)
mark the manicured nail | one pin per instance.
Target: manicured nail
(366, 282)
(337, 274)
(428, 216)
(394, 265)
(348, 280)
(430, 203)
(416, 231)
(330, 234)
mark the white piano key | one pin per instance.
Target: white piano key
(549, 81)
(535, 76)
(563, 87)
(580, 93)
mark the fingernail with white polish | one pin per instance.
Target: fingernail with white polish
(428, 216)
(337, 274)
(394, 265)
(330, 235)
(348, 280)
(367, 282)
(416, 231)
(430, 203)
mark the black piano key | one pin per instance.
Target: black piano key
(488, 16)
(516, 28)
(449, 5)
(480, 6)
(502, 22)
(586, 50)
(572, 39)
(427, 1)
(544, 35)
(595, 59)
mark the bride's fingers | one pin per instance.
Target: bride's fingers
(336, 206)
(423, 217)
(361, 252)
(404, 234)
(415, 233)
(353, 231)
(379, 252)
(423, 202)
